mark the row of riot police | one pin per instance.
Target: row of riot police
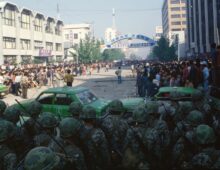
(155, 136)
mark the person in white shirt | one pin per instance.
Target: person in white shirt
(1, 79)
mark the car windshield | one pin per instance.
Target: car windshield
(86, 97)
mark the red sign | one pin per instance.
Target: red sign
(45, 53)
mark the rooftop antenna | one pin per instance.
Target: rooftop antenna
(58, 11)
(113, 19)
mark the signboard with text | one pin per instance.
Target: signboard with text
(45, 53)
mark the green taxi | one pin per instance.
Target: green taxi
(4, 90)
(57, 101)
(184, 93)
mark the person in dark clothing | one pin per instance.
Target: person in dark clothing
(192, 73)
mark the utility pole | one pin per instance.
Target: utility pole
(113, 19)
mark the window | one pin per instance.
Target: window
(49, 27)
(58, 29)
(175, 16)
(10, 59)
(38, 45)
(25, 20)
(184, 15)
(176, 23)
(49, 45)
(175, 9)
(9, 16)
(175, 1)
(63, 99)
(9, 43)
(184, 22)
(176, 29)
(25, 44)
(184, 8)
(46, 98)
(58, 47)
(67, 36)
(86, 97)
(38, 24)
(58, 58)
(75, 36)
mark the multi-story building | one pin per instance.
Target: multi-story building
(27, 35)
(203, 25)
(173, 16)
(158, 33)
(73, 33)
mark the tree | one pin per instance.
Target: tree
(88, 50)
(112, 54)
(164, 51)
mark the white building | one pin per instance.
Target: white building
(110, 34)
(158, 33)
(73, 33)
(26, 35)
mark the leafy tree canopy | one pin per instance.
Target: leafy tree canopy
(164, 51)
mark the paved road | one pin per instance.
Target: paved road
(103, 84)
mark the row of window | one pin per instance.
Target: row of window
(178, 8)
(177, 1)
(178, 23)
(71, 36)
(178, 16)
(10, 43)
(25, 21)
(12, 59)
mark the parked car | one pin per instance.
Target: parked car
(184, 93)
(57, 101)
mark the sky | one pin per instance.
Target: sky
(132, 16)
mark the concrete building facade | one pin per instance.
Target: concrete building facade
(72, 35)
(27, 35)
(173, 16)
(158, 33)
(203, 21)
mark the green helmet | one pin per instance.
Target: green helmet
(7, 130)
(116, 106)
(41, 158)
(2, 107)
(35, 108)
(185, 107)
(205, 135)
(195, 118)
(152, 107)
(48, 120)
(197, 95)
(12, 114)
(75, 108)
(69, 127)
(140, 114)
(88, 113)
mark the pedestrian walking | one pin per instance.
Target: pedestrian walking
(69, 79)
(118, 73)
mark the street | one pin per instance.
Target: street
(103, 84)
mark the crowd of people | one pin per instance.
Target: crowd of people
(174, 74)
(175, 135)
(19, 79)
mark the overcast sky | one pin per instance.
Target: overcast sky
(132, 16)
